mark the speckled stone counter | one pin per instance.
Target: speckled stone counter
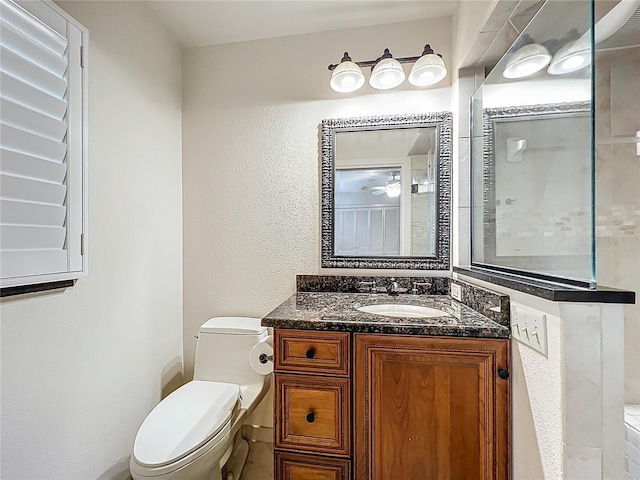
(338, 312)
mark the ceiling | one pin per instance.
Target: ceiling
(200, 23)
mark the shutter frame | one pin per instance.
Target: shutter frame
(24, 266)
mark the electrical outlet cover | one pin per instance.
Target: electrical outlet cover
(456, 291)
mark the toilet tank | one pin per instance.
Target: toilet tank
(222, 351)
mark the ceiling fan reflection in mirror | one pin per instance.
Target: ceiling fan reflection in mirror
(391, 188)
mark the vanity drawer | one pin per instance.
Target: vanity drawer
(290, 466)
(303, 351)
(313, 414)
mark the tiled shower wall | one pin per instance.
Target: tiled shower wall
(632, 444)
(617, 192)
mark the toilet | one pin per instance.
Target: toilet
(195, 432)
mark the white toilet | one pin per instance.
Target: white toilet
(195, 431)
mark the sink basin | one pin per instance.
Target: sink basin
(394, 310)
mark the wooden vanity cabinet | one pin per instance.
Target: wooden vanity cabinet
(402, 407)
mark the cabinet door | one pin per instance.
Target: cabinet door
(430, 408)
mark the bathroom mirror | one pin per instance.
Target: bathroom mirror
(537, 187)
(386, 192)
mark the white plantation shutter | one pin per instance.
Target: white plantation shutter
(391, 231)
(42, 138)
(367, 231)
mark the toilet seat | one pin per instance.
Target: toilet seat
(189, 418)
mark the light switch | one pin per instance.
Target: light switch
(529, 326)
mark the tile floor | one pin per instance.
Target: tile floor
(259, 464)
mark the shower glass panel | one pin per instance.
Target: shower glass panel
(532, 151)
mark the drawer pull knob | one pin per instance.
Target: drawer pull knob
(311, 417)
(311, 353)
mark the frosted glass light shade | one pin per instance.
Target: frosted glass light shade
(347, 77)
(388, 73)
(428, 70)
(570, 58)
(526, 61)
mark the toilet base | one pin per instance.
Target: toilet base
(234, 466)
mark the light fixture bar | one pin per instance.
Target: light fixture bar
(372, 63)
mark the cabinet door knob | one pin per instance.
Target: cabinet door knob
(503, 374)
(311, 353)
(311, 417)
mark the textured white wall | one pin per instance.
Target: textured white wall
(537, 408)
(82, 368)
(251, 116)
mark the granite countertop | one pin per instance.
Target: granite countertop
(337, 312)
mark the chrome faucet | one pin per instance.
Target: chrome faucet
(394, 289)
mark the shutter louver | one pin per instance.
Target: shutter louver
(392, 231)
(34, 145)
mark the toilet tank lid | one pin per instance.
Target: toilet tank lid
(233, 325)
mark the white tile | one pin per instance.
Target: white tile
(634, 437)
(634, 470)
(583, 387)
(464, 173)
(582, 462)
(633, 422)
(632, 452)
(463, 244)
(612, 371)
(632, 409)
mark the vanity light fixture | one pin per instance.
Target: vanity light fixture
(387, 72)
(428, 70)
(347, 76)
(526, 61)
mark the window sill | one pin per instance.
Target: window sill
(38, 287)
(555, 292)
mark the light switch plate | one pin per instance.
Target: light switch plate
(456, 291)
(529, 326)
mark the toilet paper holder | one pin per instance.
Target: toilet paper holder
(264, 358)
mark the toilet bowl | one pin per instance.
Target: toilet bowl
(190, 434)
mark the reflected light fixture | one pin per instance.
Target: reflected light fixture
(526, 61)
(393, 190)
(387, 72)
(570, 58)
(347, 76)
